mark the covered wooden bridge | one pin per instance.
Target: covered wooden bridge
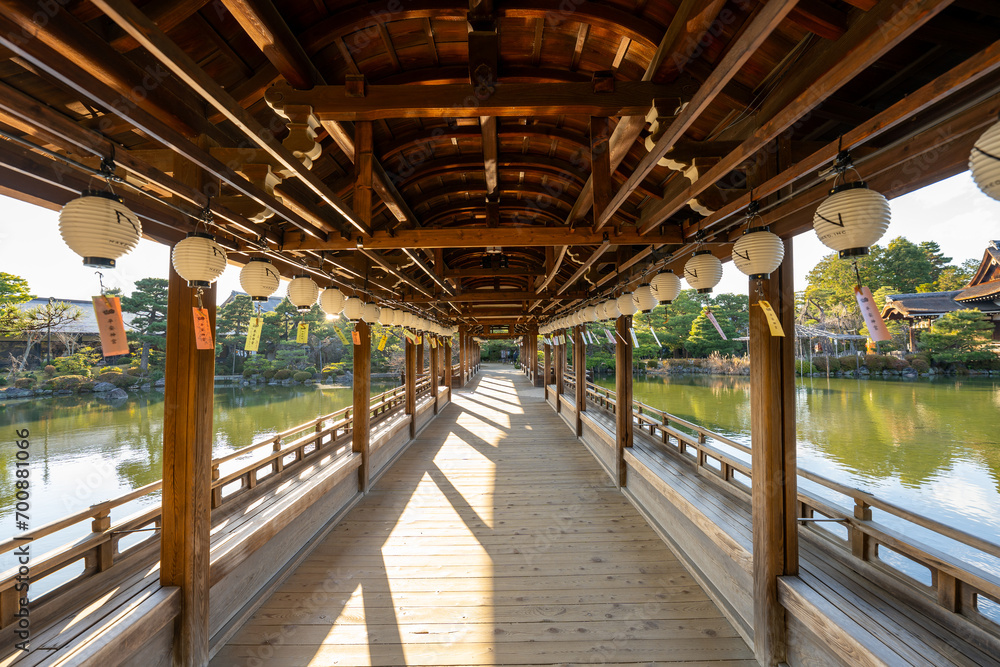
(493, 167)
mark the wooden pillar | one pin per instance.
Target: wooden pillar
(623, 391)
(538, 378)
(447, 365)
(361, 429)
(580, 368)
(546, 364)
(420, 356)
(461, 356)
(435, 369)
(187, 469)
(772, 434)
(411, 384)
(560, 368)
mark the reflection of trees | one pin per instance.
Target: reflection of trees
(874, 429)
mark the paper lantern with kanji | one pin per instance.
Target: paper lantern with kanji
(99, 227)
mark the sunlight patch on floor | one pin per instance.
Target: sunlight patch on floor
(347, 629)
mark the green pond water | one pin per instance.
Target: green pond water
(931, 446)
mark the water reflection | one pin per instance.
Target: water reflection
(930, 445)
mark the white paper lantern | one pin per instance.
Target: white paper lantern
(198, 259)
(758, 252)
(703, 271)
(851, 219)
(332, 301)
(609, 310)
(984, 162)
(303, 292)
(387, 317)
(666, 286)
(370, 313)
(99, 227)
(259, 279)
(626, 305)
(647, 300)
(590, 313)
(353, 308)
(404, 318)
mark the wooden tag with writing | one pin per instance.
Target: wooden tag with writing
(873, 318)
(202, 329)
(356, 336)
(108, 310)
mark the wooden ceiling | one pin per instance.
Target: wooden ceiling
(384, 146)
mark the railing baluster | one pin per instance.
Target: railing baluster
(860, 542)
(105, 550)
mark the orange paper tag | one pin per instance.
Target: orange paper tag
(108, 310)
(202, 329)
(356, 335)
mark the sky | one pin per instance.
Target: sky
(952, 212)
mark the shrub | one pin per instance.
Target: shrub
(247, 373)
(896, 364)
(824, 363)
(156, 375)
(3, 381)
(49, 371)
(803, 367)
(67, 382)
(302, 376)
(652, 363)
(283, 374)
(74, 364)
(849, 363)
(85, 386)
(134, 371)
(919, 364)
(310, 369)
(875, 362)
(24, 383)
(118, 379)
(268, 374)
(110, 369)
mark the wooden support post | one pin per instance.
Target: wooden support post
(187, 469)
(546, 364)
(772, 427)
(434, 370)
(447, 365)
(623, 393)
(560, 368)
(462, 361)
(580, 368)
(410, 382)
(361, 439)
(420, 356)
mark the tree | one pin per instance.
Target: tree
(148, 305)
(953, 277)
(959, 336)
(232, 321)
(703, 339)
(42, 320)
(13, 290)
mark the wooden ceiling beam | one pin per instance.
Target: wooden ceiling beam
(871, 36)
(478, 237)
(167, 14)
(481, 273)
(79, 79)
(583, 268)
(492, 296)
(629, 98)
(763, 24)
(137, 24)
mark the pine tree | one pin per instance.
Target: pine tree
(148, 305)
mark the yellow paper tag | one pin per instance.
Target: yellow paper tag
(254, 330)
(302, 336)
(108, 310)
(420, 340)
(202, 329)
(340, 335)
(381, 342)
(772, 319)
(433, 342)
(409, 335)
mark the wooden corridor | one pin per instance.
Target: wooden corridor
(495, 539)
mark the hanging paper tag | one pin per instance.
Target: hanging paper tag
(254, 330)
(420, 340)
(202, 329)
(341, 335)
(711, 318)
(611, 339)
(409, 335)
(772, 319)
(433, 342)
(873, 318)
(356, 337)
(635, 339)
(108, 310)
(382, 341)
(302, 335)
(655, 337)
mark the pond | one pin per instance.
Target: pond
(929, 445)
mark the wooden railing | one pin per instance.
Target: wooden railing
(569, 384)
(955, 585)
(100, 549)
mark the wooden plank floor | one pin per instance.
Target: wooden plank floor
(496, 539)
